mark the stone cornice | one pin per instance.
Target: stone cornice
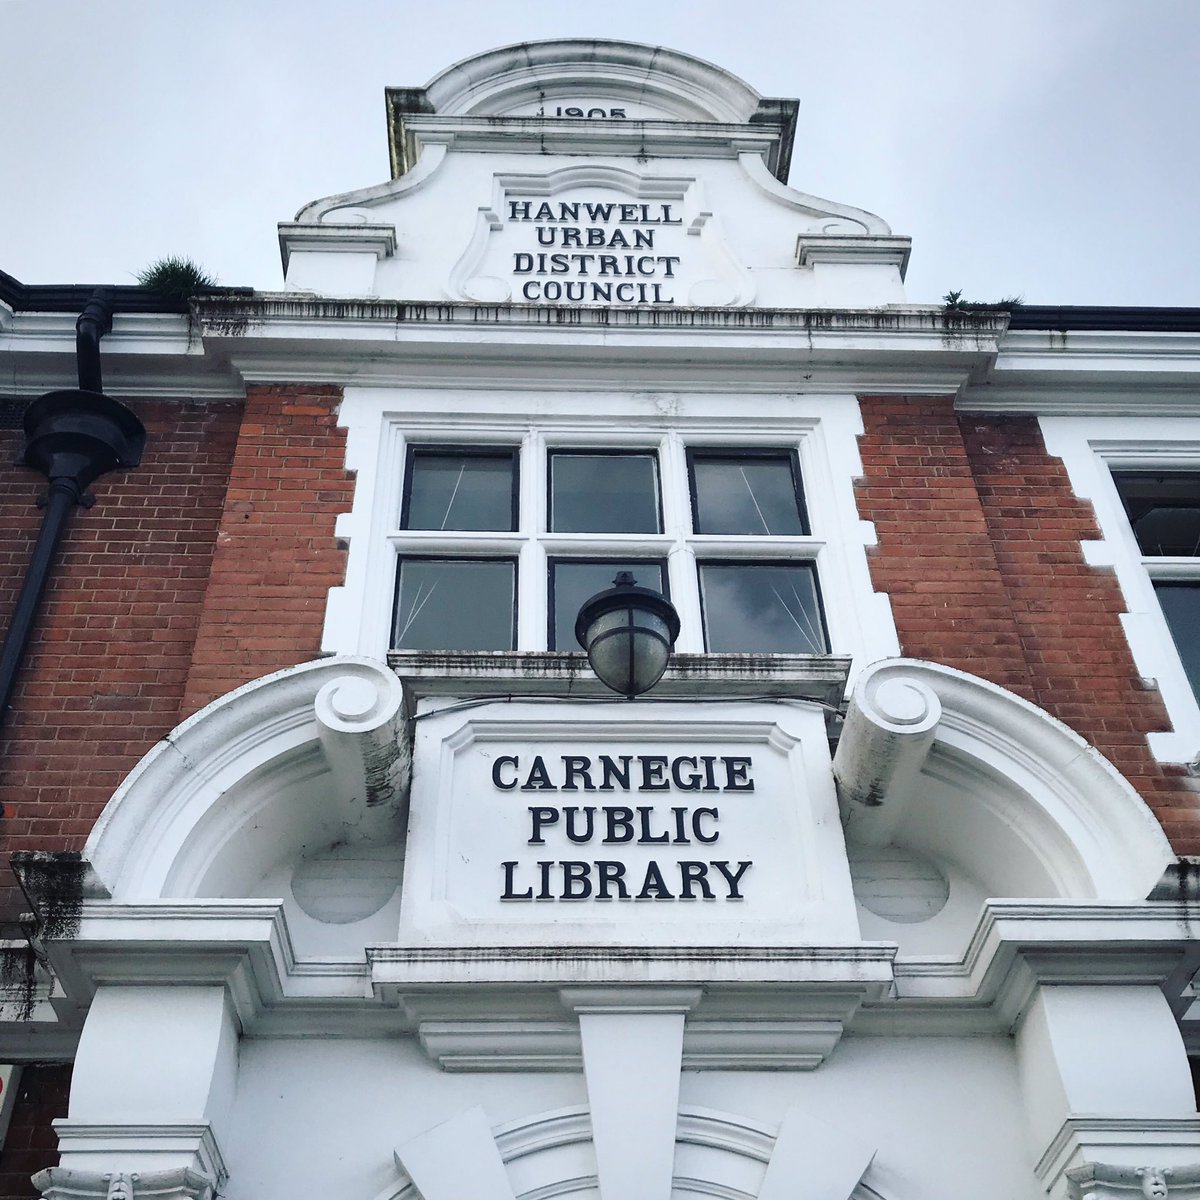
(540, 135)
(1091, 372)
(232, 339)
(245, 946)
(691, 676)
(908, 349)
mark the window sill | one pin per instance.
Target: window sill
(820, 677)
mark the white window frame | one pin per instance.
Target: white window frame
(1092, 450)
(382, 423)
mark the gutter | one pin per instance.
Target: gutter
(1081, 317)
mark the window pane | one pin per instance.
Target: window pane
(1164, 511)
(452, 604)
(764, 608)
(572, 582)
(449, 490)
(604, 493)
(1181, 606)
(747, 494)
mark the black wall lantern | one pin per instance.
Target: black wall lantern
(628, 633)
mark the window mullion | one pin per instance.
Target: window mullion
(1172, 568)
(532, 568)
(685, 595)
(676, 502)
(681, 559)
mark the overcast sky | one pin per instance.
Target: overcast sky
(1042, 148)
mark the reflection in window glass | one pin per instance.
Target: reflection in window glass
(604, 493)
(449, 489)
(572, 582)
(762, 608)
(1181, 606)
(746, 494)
(1164, 511)
(454, 604)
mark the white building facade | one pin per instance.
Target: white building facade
(435, 915)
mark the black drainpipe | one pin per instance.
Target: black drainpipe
(72, 437)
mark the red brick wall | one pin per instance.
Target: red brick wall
(32, 1144)
(111, 650)
(935, 556)
(204, 568)
(979, 552)
(276, 555)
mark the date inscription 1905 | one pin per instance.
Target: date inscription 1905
(592, 114)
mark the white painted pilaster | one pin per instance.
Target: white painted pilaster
(1105, 1079)
(154, 1079)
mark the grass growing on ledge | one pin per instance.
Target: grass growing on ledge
(954, 303)
(176, 279)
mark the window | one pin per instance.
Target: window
(766, 605)
(768, 608)
(498, 547)
(1164, 514)
(453, 488)
(753, 493)
(574, 580)
(604, 493)
(455, 602)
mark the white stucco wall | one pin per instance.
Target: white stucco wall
(323, 1117)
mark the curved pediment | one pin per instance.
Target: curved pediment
(646, 82)
(319, 755)
(964, 771)
(493, 132)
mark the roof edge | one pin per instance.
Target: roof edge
(71, 297)
(1137, 319)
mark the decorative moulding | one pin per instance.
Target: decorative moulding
(68, 1183)
(648, 84)
(473, 1008)
(1103, 1181)
(716, 1154)
(625, 139)
(136, 1152)
(890, 725)
(350, 711)
(354, 206)
(834, 246)
(1090, 373)
(734, 1023)
(905, 349)
(738, 1031)
(1086, 825)
(511, 673)
(1017, 945)
(362, 727)
(479, 274)
(1099, 1158)
(834, 218)
(499, 80)
(377, 240)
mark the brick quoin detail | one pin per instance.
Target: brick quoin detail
(110, 653)
(32, 1144)
(276, 556)
(979, 536)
